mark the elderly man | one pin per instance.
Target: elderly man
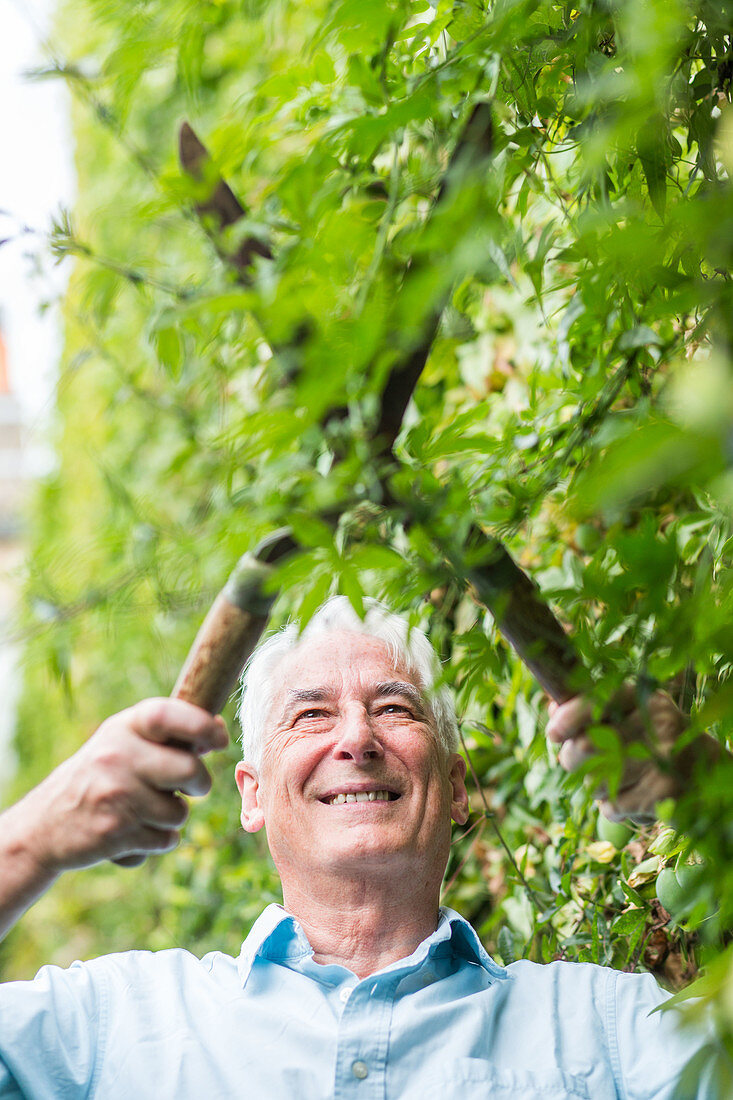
(358, 985)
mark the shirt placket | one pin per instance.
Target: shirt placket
(363, 1041)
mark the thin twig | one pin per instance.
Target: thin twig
(65, 245)
(491, 817)
(448, 886)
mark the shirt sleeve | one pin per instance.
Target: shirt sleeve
(659, 1055)
(50, 1031)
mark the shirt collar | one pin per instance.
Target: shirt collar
(276, 935)
(465, 942)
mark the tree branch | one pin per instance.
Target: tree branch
(471, 155)
(220, 205)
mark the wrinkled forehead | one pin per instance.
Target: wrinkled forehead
(336, 663)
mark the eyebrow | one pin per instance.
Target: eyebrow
(307, 695)
(400, 687)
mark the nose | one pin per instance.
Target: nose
(355, 737)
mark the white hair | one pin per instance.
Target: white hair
(408, 647)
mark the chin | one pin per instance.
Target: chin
(363, 852)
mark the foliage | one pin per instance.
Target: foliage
(577, 403)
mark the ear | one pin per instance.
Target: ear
(248, 782)
(459, 795)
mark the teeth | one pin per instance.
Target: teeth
(360, 796)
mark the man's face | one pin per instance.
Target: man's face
(353, 776)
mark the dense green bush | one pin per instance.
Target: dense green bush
(577, 403)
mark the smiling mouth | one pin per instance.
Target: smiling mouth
(344, 797)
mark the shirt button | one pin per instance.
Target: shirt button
(360, 1070)
(345, 992)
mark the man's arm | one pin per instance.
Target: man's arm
(655, 722)
(118, 797)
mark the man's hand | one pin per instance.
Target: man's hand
(656, 723)
(118, 797)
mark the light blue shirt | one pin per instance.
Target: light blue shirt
(445, 1022)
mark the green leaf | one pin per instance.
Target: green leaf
(653, 150)
(505, 943)
(641, 336)
(658, 453)
(311, 531)
(169, 349)
(349, 585)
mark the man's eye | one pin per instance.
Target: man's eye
(313, 713)
(396, 708)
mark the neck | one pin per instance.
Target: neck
(352, 924)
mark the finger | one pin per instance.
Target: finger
(574, 752)
(169, 768)
(143, 842)
(162, 720)
(162, 811)
(130, 861)
(569, 719)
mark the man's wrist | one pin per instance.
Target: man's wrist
(26, 871)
